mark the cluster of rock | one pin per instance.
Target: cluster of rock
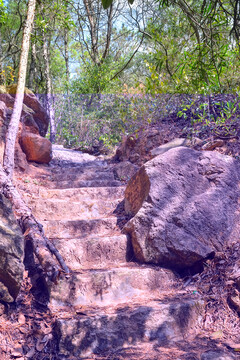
(31, 144)
(136, 149)
(183, 203)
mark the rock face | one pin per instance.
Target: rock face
(184, 205)
(36, 147)
(32, 106)
(11, 253)
(136, 149)
(34, 120)
(176, 143)
(125, 170)
(39, 114)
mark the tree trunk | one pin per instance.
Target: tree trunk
(31, 228)
(66, 56)
(49, 96)
(11, 135)
(1, 65)
(33, 68)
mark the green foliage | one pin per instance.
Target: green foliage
(94, 78)
(187, 57)
(219, 117)
(106, 3)
(8, 75)
(84, 119)
(3, 13)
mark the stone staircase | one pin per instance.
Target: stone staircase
(109, 302)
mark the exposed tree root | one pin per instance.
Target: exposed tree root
(33, 231)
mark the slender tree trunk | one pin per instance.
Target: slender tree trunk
(31, 228)
(33, 68)
(1, 64)
(66, 56)
(49, 96)
(8, 161)
(92, 18)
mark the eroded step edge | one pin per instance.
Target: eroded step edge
(105, 287)
(55, 209)
(160, 324)
(95, 252)
(83, 183)
(77, 194)
(69, 229)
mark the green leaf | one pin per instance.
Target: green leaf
(106, 3)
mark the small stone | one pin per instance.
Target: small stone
(170, 145)
(215, 355)
(234, 300)
(211, 145)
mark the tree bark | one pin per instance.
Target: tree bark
(33, 68)
(66, 56)
(1, 65)
(31, 228)
(49, 97)
(8, 160)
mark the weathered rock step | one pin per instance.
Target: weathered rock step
(116, 285)
(53, 209)
(69, 229)
(156, 323)
(83, 174)
(84, 183)
(78, 194)
(94, 252)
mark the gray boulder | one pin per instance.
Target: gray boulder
(184, 207)
(11, 253)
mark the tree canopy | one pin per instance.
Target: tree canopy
(81, 50)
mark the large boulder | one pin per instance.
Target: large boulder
(36, 147)
(11, 253)
(33, 107)
(184, 207)
(34, 121)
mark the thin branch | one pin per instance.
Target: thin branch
(128, 62)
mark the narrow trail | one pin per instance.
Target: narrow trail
(109, 306)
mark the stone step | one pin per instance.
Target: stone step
(133, 329)
(53, 209)
(84, 183)
(83, 174)
(94, 252)
(116, 285)
(69, 229)
(78, 194)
